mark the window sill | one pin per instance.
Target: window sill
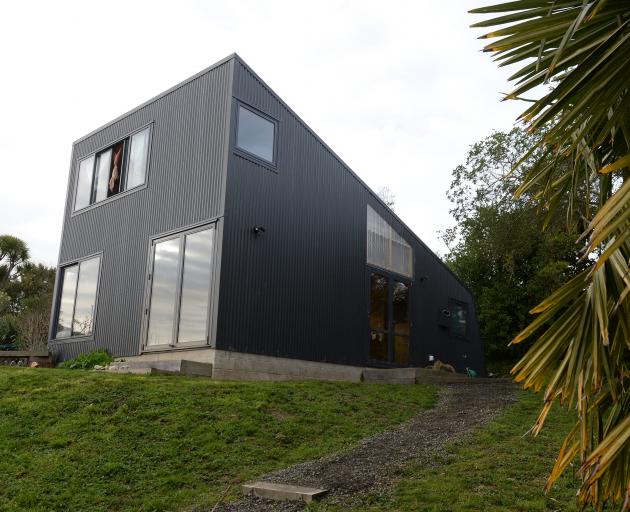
(109, 200)
(174, 348)
(71, 339)
(255, 160)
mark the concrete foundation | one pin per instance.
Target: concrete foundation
(226, 365)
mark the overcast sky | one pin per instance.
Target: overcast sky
(398, 89)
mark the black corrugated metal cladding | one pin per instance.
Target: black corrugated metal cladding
(185, 185)
(300, 290)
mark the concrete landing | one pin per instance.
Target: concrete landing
(390, 375)
(164, 367)
(282, 492)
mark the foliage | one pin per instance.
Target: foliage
(496, 469)
(9, 330)
(26, 291)
(579, 50)
(498, 247)
(88, 360)
(98, 441)
(13, 253)
(387, 196)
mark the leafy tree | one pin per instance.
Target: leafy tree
(498, 246)
(13, 253)
(579, 50)
(26, 291)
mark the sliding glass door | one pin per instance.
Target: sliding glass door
(180, 283)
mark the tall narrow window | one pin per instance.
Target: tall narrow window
(77, 299)
(255, 134)
(138, 155)
(385, 247)
(459, 320)
(180, 287)
(120, 167)
(83, 193)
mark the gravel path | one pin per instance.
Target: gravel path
(371, 466)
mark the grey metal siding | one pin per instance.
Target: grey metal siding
(300, 289)
(185, 185)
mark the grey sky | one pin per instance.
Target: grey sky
(398, 89)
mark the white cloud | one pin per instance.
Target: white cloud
(399, 89)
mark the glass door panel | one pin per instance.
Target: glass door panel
(389, 320)
(400, 322)
(379, 317)
(196, 284)
(163, 292)
(401, 349)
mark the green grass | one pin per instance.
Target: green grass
(497, 469)
(76, 440)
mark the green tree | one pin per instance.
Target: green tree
(13, 253)
(498, 247)
(579, 52)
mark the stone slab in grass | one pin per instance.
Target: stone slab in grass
(283, 492)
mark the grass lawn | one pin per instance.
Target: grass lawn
(77, 440)
(496, 469)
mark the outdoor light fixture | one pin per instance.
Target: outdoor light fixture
(258, 230)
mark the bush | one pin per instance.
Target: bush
(9, 330)
(87, 361)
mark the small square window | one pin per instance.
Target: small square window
(255, 134)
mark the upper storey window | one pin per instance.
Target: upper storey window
(386, 248)
(255, 134)
(120, 167)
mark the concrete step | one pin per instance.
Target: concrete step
(164, 367)
(282, 492)
(390, 375)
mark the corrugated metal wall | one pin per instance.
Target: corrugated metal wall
(300, 290)
(185, 186)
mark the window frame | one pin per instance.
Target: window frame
(451, 304)
(247, 155)
(57, 298)
(94, 154)
(410, 276)
(180, 233)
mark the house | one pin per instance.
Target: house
(212, 224)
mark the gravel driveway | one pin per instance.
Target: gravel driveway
(371, 466)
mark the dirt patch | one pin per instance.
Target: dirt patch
(372, 466)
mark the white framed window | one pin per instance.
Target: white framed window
(115, 169)
(385, 247)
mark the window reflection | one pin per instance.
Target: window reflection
(163, 292)
(83, 322)
(193, 320)
(378, 302)
(459, 314)
(401, 349)
(255, 134)
(77, 300)
(138, 155)
(66, 302)
(400, 300)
